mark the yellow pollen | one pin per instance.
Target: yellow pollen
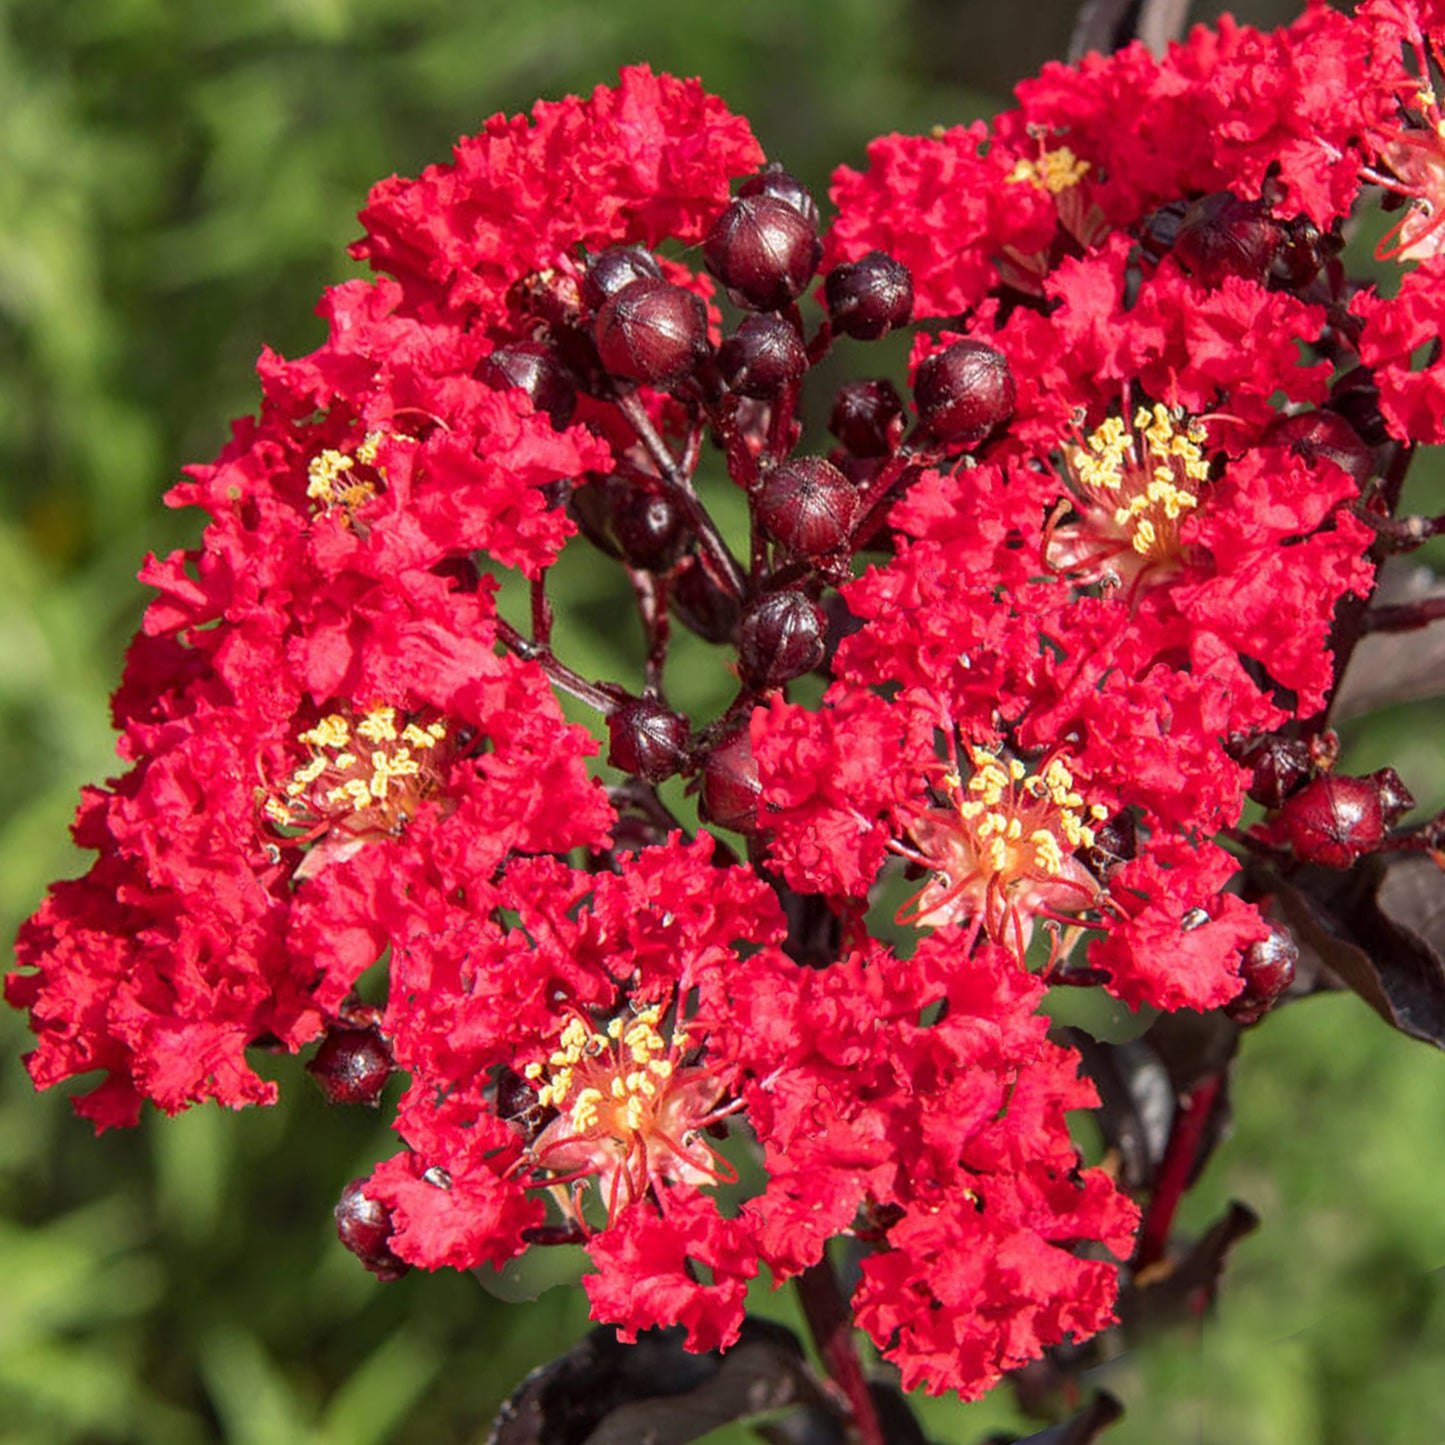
(1055, 171)
(366, 790)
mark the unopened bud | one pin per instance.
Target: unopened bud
(610, 270)
(1267, 969)
(534, 368)
(964, 392)
(647, 740)
(870, 297)
(364, 1226)
(652, 331)
(762, 356)
(763, 251)
(783, 636)
(781, 185)
(1222, 235)
(808, 505)
(730, 787)
(867, 417)
(352, 1066)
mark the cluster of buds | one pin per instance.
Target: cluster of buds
(1031, 626)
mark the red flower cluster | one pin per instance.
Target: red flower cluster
(1108, 554)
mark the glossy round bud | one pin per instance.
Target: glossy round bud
(1333, 820)
(1267, 969)
(808, 505)
(701, 605)
(364, 1226)
(964, 392)
(651, 531)
(352, 1066)
(1356, 397)
(762, 356)
(610, 270)
(1280, 766)
(763, 251)
(533, 366)
(652, 331)
(867, 417)
(783, 635)
(648, 740)
(1316, 435)
(783, 186)
(870, 297)
(1221, 235)
(729, 784)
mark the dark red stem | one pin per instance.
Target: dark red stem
(1185, 1137)
(1405, 616)
(558, 673)
(679, 484)
(831, 1326)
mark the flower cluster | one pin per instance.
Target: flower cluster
(1058, 608)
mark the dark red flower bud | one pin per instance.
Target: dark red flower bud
(963, 392)
(1222, 235)
(1267, 969)
(762, 356)
(1281, 766)
(625, 519)
(763, 251)
(1356, 397)
(784, 635)
(1323, 434)
(533, 366)
(867, 417)
(364, 1227)
(650, 530)
(808, 505)
(774, 181)
(1333, 820)
(869, 298)
(610, 270)
(648, 740)
(730, 786)
(652, 331)
(701, 605)
(352, 1066)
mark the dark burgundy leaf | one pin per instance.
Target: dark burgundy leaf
(1381, 930)
(1083, 1429)
(1136, 1102)
(1182, 1288)
(654, 1392)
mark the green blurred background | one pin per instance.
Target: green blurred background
(178, 181)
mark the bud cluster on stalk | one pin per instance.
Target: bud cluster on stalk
(638, 334)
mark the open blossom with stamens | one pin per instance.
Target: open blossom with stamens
(1002, 849)
(566, 1069)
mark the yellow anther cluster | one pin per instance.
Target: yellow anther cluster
(1002, 803)
(1151, 472)
(357, 767)
(618, 1075)
(1055, 171)
(332, 480)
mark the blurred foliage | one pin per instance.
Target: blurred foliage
(177, 183)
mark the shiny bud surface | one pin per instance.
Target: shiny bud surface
(808, 505)
(652, 331)
(964, 392)
(784, 635)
